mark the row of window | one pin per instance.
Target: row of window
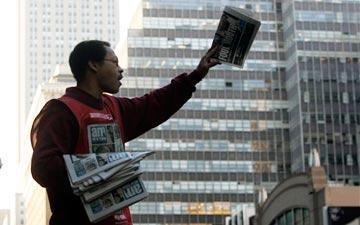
(185, 208)
(325, 36)
(208, 84)
(191, 63)
(346, 28)
(193, 24)
(59, 31)
(324, 55)
(330, 1)
(164, 42)
(191, 43)
(198, 145)
(344, 97)
(258, 6)
(326, 16)
(296, 216)
(345, 159)
(199, 187)
(60, 4)
(331, 118)
(70, 15)
(208, 166)
(341, 77)
(221, 125)
(253, 56)
(235, 104)
(345, 47)
(331, 138)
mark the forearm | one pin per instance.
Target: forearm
(143, 113)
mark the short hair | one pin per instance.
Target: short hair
(85, 51)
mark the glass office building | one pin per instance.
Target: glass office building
(232, 137)
(322, 44)
(249, 128)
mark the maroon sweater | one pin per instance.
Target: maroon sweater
(55, 132)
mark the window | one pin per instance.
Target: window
(306, 96)
(228, 84)
(297, 216)
(345, 98)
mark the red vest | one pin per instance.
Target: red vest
(100, 131)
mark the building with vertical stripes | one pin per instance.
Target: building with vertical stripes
(322, 44)
(232, 136)
(299, 89)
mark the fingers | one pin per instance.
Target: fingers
(213, 62)
(213, 50)
(206, 61)
(212, 47)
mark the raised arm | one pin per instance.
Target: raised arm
(140, 114)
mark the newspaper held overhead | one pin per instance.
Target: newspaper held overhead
(235, 34)
(106, 182)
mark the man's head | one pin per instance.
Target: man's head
(95, 60)
(84, 52)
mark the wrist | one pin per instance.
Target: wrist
(195, 76)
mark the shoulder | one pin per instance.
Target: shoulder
(55, 106)
(54, 124)
(53, 112)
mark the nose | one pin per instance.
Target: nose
(120, 72)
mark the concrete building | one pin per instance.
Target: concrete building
(50, 30)
(4, 217)
(241, 216)
(32, 206)
(310, 199)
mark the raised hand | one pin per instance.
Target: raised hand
(207, 62)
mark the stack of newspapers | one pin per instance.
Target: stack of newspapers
(106, 182)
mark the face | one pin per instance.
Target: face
(109, 73)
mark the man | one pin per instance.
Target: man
(65, 125)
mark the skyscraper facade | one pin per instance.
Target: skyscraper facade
(53, 28)
(322, 44)
(232, 137)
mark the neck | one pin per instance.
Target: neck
(92, 90)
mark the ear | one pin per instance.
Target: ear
(94, 66)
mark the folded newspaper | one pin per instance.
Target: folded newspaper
(235, 34)
(106, 182)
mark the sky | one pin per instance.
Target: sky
(8, 96)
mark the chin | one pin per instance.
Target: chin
(112, 91)
(115, 91)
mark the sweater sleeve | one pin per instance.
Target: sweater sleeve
(54, 133)
(140, 114)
